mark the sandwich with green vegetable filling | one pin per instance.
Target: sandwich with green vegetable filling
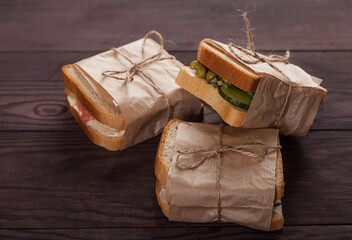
(228, 86)
(228, 91)
(227, 82)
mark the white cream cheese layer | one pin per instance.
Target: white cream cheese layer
(95, 124)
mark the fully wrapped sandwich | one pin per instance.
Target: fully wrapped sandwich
(208, 173)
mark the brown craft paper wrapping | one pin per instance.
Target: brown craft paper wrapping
(247, 184)
(143, 108)
(268, 102)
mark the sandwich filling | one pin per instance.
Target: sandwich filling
(90, 121)
(232, 94)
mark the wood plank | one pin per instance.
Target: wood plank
(79, 25)
(32, 98)
(333, 66)
(62, 180)
(289, 232)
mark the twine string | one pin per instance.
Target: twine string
(256, 58)
(218, 154)
(139, 66)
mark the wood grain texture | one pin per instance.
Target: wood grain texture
(288, 233)
(33, 98)
(97, 25)
(56, 184)
(62, 180)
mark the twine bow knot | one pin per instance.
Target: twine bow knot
(139, 66)
(132, 71)
(136, 67)
(244, 149)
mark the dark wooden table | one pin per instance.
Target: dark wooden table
(56, 184)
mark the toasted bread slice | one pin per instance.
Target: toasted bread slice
(163, 161)
(227, 67)
(198, 87)
(98, 133)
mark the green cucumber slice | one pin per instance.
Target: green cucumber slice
(236, 97)
(213, 84)
(251, 94)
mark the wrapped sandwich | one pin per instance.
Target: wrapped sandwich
(252, 90)
(124, 96)
(208, 173)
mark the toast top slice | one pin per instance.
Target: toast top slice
(226, 66)
(217, 56)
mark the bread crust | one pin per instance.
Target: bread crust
(247, 81)
(199, 88)
(161, 168)
(276, 224)
(110, 143)
(110, 119)
(164, 207)
(279, 187)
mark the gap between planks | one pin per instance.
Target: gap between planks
(177, 51)
(173, 226)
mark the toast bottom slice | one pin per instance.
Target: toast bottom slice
(100, 134)
(162, 165)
